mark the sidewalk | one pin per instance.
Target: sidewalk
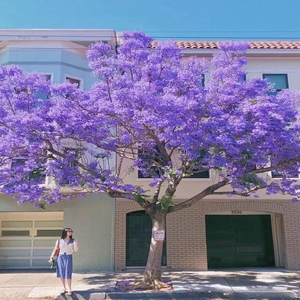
(222, 284)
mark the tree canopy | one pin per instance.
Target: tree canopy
(149, 106)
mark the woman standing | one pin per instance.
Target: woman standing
(66, 245)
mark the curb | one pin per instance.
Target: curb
(180, 295)
(203, 295)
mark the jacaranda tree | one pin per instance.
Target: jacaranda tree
(148, 106)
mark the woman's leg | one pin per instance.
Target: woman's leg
(69, 281)
(69, 270)
(60, 273)
(63, 281)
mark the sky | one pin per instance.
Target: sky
(161, 19)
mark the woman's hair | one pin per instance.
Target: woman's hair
(64, 233)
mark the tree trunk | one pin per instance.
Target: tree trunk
(152, 273)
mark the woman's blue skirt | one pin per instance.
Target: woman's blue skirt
(64, 266)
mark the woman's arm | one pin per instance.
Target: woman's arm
(75, 245)
(55, 248)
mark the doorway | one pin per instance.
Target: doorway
(239, 241)
(138, 238)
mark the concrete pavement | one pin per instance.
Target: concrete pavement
(220, 284)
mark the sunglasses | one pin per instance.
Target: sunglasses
(69, 230)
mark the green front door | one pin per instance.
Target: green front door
(138, 238)
(239, 241)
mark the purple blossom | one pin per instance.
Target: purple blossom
(148, 100)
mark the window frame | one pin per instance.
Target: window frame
(71, 78)
(139, 174)
(280, 176)
(49, 77)
(202, 82)
(22, 159)
(194, 176)
(277, 90)
(78, 154)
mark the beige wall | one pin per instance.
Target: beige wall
(275, 64)
(186, 240)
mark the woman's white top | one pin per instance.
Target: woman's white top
(67, 248)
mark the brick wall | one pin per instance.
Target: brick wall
(291, 220)
(185, 231)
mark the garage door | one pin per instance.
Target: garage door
(27, 238)
(239, 241)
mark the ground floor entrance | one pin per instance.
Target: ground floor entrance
(138, 238)
(239, 241)
(213, 234)
(27, 238)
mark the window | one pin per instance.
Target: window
(41, 94)
(18, 163)
(280, 82)
(48, 232)
(278, 174)
(148, 168)
(197, 174)
(11, 233)
(196, 168)
(202, 82)
(72, 155)
(48, 77)
(74, 81)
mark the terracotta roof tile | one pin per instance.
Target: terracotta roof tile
(253, 45)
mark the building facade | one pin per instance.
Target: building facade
(114, 234)
(221, 232)
(28, 234)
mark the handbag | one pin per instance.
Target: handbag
(56, 253)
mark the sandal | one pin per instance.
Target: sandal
(63, 292)
(69, 293)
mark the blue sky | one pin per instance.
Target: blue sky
(175, 19)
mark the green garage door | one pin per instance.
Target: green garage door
(239, 241)
(138, 238)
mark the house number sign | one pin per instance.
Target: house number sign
(236, 212)
(159, 235)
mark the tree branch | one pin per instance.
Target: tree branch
(124, 195)
(157, 191)
(208, 191)
(245, 194)
(281, 165)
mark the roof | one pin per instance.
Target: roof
(253, 45)
(83, 37)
